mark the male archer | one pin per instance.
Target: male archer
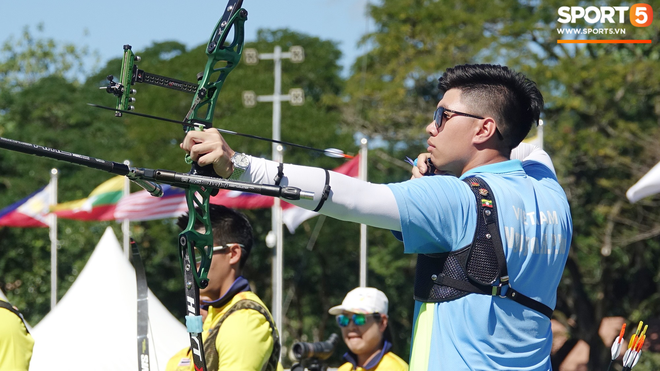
(492, 238)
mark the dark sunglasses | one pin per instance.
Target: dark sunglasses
(439, 116)
(358, 319)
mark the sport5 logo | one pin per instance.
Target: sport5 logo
(640, 15)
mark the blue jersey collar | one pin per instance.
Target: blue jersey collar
(498, 168)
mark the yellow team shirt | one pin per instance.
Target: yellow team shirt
(243, 343)
(389, 362)
(15, 342)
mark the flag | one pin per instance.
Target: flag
(28, 212)
(141, 205)
(241, 200)
(100, 205)
(292, 215)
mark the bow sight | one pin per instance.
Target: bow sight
(206, 91)
(131, 74)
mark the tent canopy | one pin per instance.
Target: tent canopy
(94, 326)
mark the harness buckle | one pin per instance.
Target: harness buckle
(497, 290)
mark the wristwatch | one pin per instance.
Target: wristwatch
(241, 162)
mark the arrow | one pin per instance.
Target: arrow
(616, 346)
(330, 152)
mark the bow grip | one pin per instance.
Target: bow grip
(207, 170)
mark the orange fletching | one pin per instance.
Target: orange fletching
(638, 346)
(623, 331)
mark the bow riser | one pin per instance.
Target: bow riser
(208, 91)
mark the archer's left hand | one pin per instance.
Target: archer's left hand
(208, 147)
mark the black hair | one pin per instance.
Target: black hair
(229, 226)
(387, 334)
(509, 97)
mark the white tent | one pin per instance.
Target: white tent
(94, 326)
(647, 186)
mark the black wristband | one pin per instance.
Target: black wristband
(280, 174)
(326, 191)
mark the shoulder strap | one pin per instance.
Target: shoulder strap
(11, 308)
(211, 353)
(488, 210)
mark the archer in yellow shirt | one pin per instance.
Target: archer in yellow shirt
(239, 331)
(16, 343)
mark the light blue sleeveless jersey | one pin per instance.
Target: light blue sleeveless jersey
(481, 332)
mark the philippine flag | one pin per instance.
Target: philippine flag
(28, 212)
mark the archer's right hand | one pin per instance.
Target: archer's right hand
(423, 166)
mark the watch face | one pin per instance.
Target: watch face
(241, 160)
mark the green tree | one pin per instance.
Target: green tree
(41, 103)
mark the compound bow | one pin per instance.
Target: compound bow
(192, 242)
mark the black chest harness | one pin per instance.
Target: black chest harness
(479, 268)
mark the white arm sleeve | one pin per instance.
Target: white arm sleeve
(350, 199)
(529, 152)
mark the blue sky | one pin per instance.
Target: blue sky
(105, 27)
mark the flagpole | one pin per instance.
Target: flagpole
(125, 227)
(52, 226)
(279, 256)
(362, 175)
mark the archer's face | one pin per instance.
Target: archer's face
(218, 272)
(450, 142)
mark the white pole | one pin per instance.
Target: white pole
(277, 207)
(52, 224)
(540, 133)
(279, 262)
(277, 105)
(362, 175)
(275, 236)
(125, 226)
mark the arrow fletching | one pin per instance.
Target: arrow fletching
(335, 153)
(616, 346)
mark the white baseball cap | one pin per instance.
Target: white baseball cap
(363, 300)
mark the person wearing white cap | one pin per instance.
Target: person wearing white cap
(362, 317)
